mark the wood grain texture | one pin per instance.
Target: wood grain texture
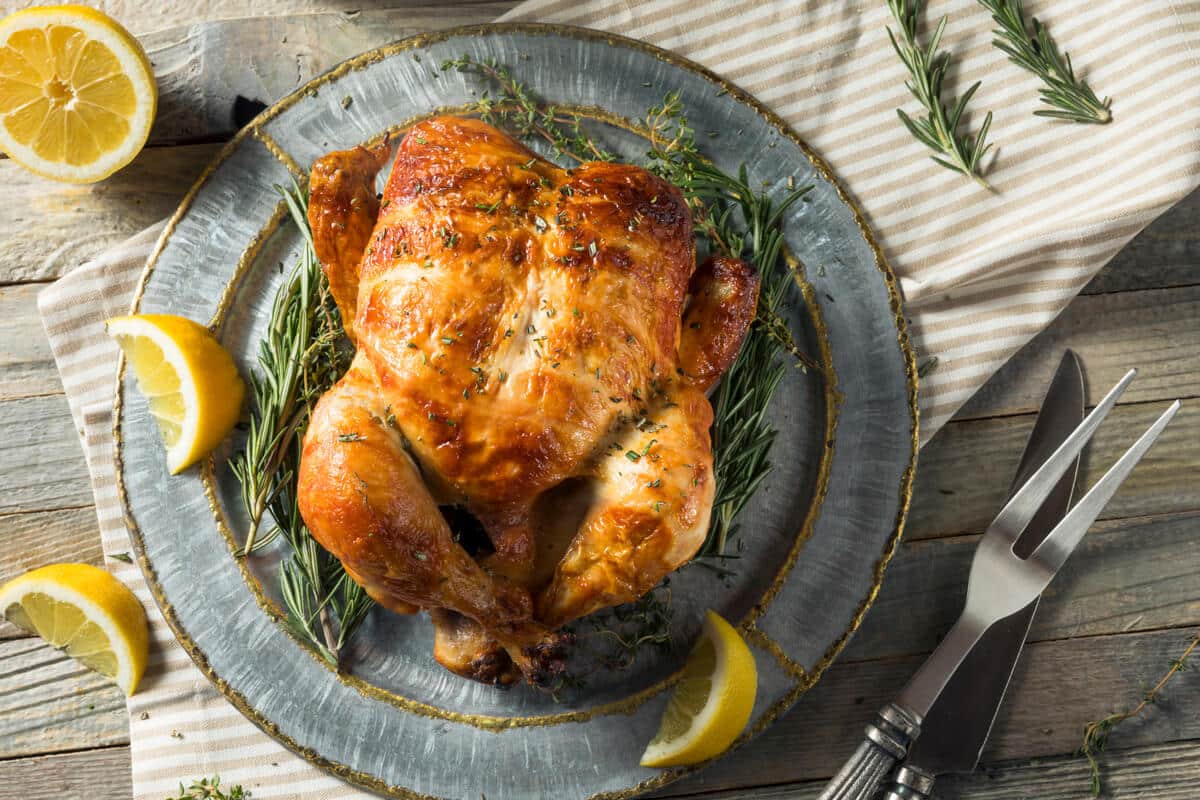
(26, 364)
(1153, 330)
(49, 703)
(88, 775)
(1166, 253)
(1159, 772)
(41, 461)
(49, 228)
(966, 469)
(46, 537)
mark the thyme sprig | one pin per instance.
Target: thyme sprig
(210, 789)
(300, 358)
(1095, 734)
(1070, 97)
(938, 129)
(516, 108)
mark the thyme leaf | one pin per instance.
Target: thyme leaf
(210, 789)
(1095, 734)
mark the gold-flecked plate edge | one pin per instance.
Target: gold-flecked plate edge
(905, 489)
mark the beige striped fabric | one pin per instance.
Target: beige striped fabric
(981, 272)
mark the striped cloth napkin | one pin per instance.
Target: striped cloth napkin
(981, 272)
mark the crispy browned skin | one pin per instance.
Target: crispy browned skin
(520, 354)
(342, 210)
(724, 299)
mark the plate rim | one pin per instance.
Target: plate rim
(807, 678)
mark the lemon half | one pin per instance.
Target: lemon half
(189, 379)
(77, 94)
(712, 702)
(85, 612)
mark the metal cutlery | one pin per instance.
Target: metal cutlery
(1000, 584)
(955, 730)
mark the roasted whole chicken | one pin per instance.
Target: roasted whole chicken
(523, 435)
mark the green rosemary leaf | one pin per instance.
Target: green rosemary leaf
(938, 129)
(1070, 96)
(302, 355)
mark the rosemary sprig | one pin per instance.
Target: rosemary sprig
(739, 222)
(298, 359)
(210, 789)
(302, 355)
(938, 129)
(1070, 97)
(1095, 734)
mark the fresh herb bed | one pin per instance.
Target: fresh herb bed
(304, 353)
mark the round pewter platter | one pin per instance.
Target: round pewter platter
(813, 541)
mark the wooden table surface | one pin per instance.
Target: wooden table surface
(1124, 608)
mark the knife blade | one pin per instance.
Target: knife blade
(956, 728)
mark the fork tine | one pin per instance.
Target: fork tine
(1061, 541)
(1021, 507)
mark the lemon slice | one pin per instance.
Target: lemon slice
(85, 612)
(712, 702)
(189, 379)
(77, 94)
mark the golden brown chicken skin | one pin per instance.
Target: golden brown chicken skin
(521, 353)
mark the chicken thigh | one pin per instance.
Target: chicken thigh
(534, 346)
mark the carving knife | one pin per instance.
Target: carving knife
(955, 730)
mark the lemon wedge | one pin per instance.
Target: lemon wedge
(189, 379)
(77, 94)
(86, 613)
(712, 702)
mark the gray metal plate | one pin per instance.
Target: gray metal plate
(816, 537)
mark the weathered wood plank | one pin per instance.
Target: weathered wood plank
(1058, 687)
(49, 228)
(1127, 575)
(26, 364)
(1167, 253)
(965, 470)
(49, 703)
(87, 775)
(203, 69)
(1154, 330)
(142, 18)
(1159, 772)
(41, 463)
(48, 537)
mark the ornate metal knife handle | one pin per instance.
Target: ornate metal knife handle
(910, 783)
(887, 742)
